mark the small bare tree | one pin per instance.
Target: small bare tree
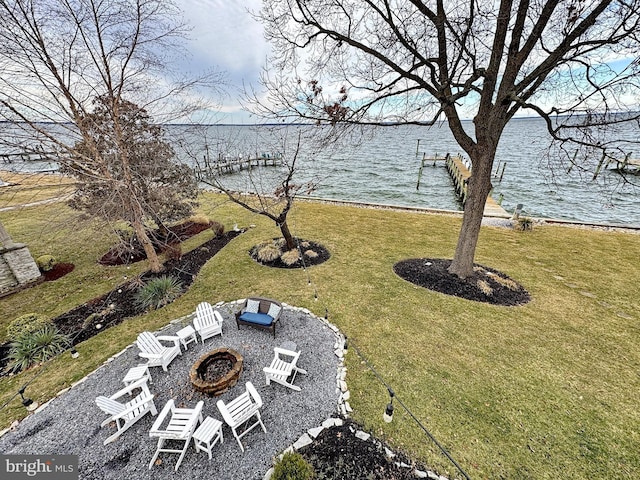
(381, 62)
(78, 77)
(272, 199)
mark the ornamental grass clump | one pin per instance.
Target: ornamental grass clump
(158, 292)
(485, 288)
(505, 282)
(310, 254)
(32, 348)
(292, 466)
(268, 252)
(290, 257)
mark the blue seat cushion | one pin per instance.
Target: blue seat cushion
(257, 318)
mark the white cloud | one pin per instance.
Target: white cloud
(226, 38)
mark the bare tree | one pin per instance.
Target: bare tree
(271, 197)
(58, 56)
(379, 62)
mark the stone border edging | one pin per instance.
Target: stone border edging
(343, 406)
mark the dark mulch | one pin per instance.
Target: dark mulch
(119, 304)
(132, 252)
(431, 273)
(89, 319)
(322, 255)
(338, 453)
(58, 271)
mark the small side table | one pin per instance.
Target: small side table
(207, 435)
(187, 335)
(136, 373)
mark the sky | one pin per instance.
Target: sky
(225, 37)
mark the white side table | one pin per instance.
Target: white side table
(207, 435)
(187, 335)
(136, 373)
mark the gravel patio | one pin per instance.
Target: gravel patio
(70, 423)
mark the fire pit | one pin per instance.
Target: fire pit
(216, 372)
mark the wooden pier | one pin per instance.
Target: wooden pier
(626, 165)
(459, 169)
(223, 165)
(34, 156)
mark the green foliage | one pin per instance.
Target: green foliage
(24, 324)
(121, 139)
(37, 346)
(46, 262)
(159, 292)
(292, 466)
(524, 224)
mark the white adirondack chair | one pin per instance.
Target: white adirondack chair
(157, 354)
(208, 322)
(239, 411)
(283, 368)
(128, 413)
(180, 427)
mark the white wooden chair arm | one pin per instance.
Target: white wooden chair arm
(152, 356)
(275, 371)
(133, 407)
(165, 411)
(169, 338)
(130, 388)
(289, 353)
(254, 393)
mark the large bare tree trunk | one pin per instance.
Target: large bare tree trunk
(152, 256)
(286, 233)
(478, 190)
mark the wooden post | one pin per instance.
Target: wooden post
(599, 166)
(502, 173)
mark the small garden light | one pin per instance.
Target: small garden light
(388, 411)
(29, 404)
(74, 353)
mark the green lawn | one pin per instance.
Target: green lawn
(541, 391)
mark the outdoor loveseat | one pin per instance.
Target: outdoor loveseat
(259, 312)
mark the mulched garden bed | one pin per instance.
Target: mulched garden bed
(338, 453)
(321, 255)
(89, 319)
(132, 252)
(485, 285)
(58, 271)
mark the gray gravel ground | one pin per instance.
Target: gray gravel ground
(70, 424)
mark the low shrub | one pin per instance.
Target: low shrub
(292, 466)
(200, 219)
(37, 346)
(27, 323)
(46, 263)
(217, 227)
(173, 251)
(524, 224)
(159, 292)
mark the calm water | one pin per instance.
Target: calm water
(383, 168)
